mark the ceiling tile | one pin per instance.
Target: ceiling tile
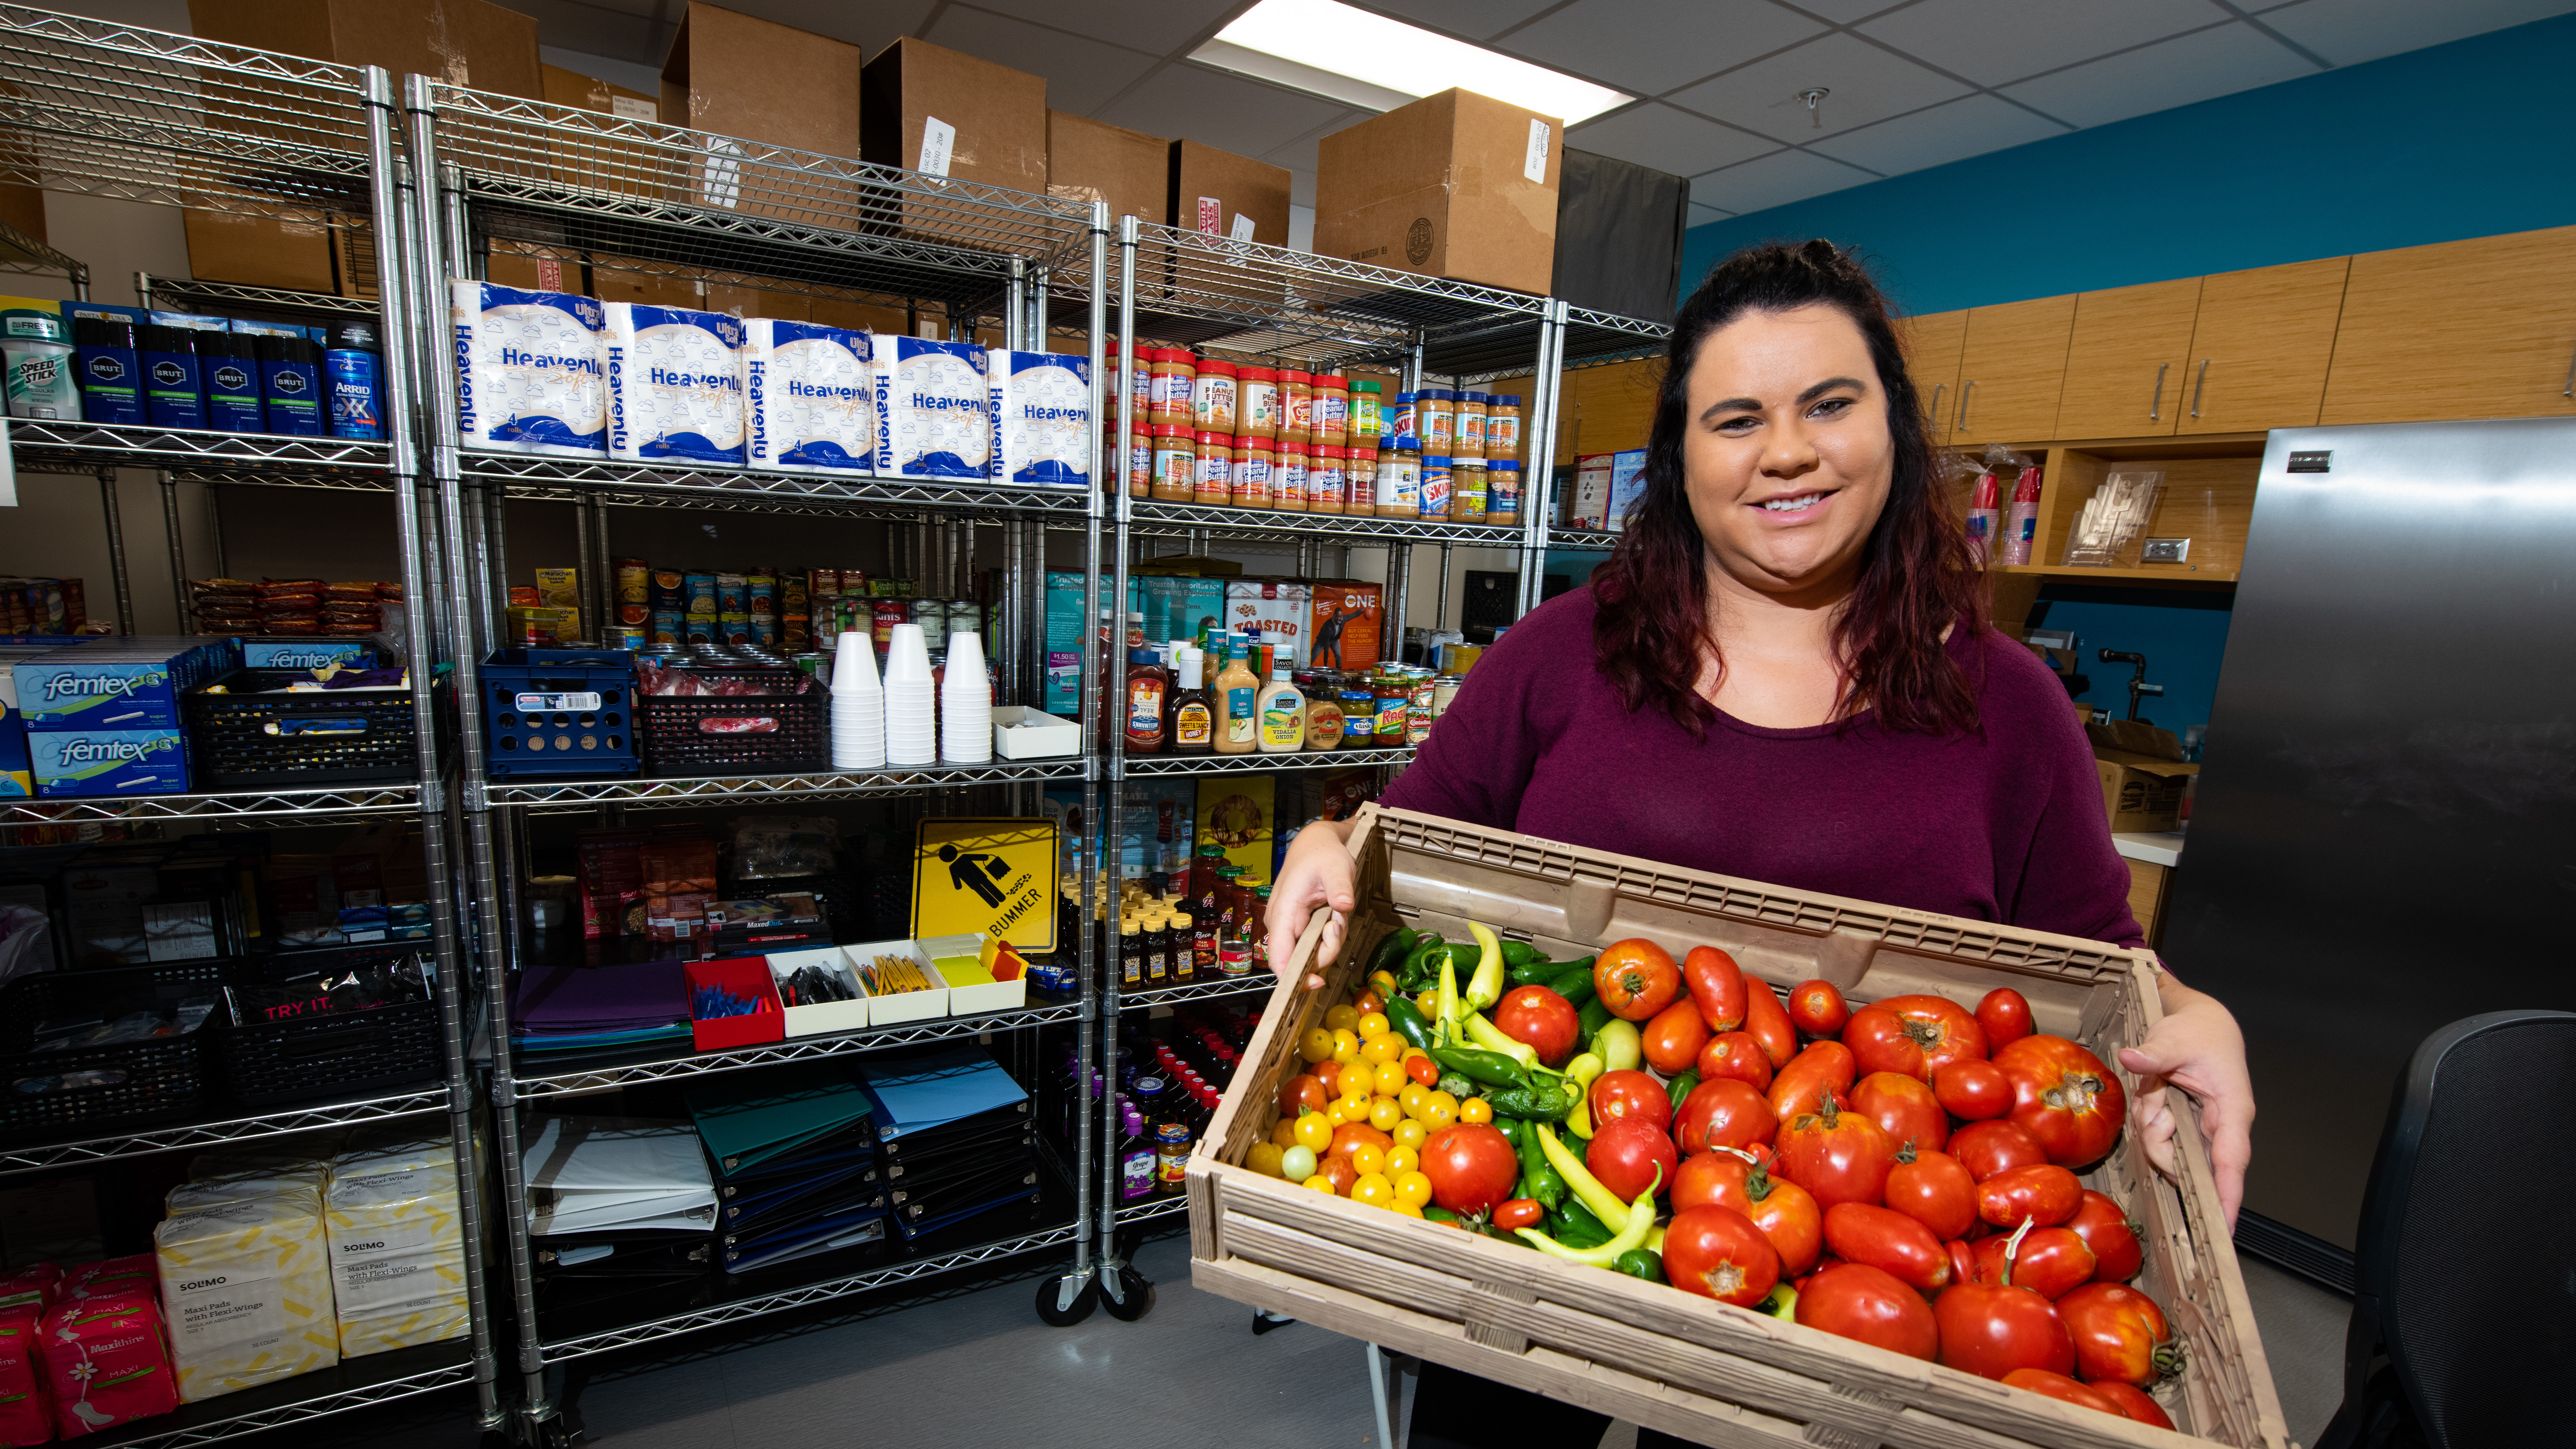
(1474, 19)
(1161, 28)
(1844, 12)
(1647, 47)
(872, 26)
(1703, 215)
(1223, 110)
(1995, 41)
(2170, 73)
(2348, 32)
(1951, 131)
(1081, 75)
(1657, 135)
(1774, 180)
(1867, 84)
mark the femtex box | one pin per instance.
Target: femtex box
(104, 718)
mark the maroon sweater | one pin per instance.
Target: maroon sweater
(2004, 825)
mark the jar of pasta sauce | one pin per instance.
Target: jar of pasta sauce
(1253, 462)
(1332, 408)
(1471, 425)
(1296, 405)
(1289, 476)
(1325, 480)
(1174, 476)
(1421, 694)
(1393, 696)
(1212, 398)
(1214, 481)
(1174, 378)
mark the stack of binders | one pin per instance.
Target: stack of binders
(576, 1008)
(796, 1164)
(956, 1136)
(619, 1200)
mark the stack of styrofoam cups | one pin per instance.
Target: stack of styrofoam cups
(911, 723)
(966, 703)
(858, 706)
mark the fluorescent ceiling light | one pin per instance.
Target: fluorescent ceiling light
(1389, 56)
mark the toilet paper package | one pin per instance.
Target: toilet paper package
(934, 409)
(397, 1256)
(1041, 417)
(531, 370)
(246, 1287)
(811, 392)
(674, 385)
(105, 1363)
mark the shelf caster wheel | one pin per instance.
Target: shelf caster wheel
(1263, 1320)
(1129, 1296)
(1061, 1304)
(556, 1433)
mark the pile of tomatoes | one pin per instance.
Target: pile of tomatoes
(1357, 1120)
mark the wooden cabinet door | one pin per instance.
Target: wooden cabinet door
(1932, 345)
(2469, 329)
(2010, 371)
(2126, 361)
(2261, 345)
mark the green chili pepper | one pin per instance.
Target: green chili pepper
(1593, 1016)
(1543, 1103)
(1680, 1088)
(1491, 1068)
(1643, 1263)
(1407, 1020)
(1510, 1127)
(1574, 984)
(1457, 1086)
(1574, 1226)
(1540, 1182)
(1521, 953)
(1441, 1215)
(1531, 973)
(1392, 951)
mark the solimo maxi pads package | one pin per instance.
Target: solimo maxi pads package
(674, 385)
(247, 1289)
(811, 396)
(531, 370)
(397, 1258)
(1041, 417)
(934, 409)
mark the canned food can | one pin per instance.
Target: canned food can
(888, 613)
(626, 636)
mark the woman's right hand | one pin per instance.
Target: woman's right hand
(1319, 871)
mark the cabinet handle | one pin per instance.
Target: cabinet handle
(1967, 390)
(2570, 389)
(2156, 404)
(1934, 411)
(2197, 384)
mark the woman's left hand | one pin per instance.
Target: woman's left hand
(2198, 1048)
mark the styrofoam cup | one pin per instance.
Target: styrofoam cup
(854, 664)
(908, 657)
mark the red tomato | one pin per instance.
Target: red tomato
(1635, 979)
(1705, 1178)
(1973, 1091)
(1785, 1212)
(1617, 1096)
(1869, 1305)
(1766, 1023)
(1839, 1156)
(1986, 1148)
(1816, 1008)
(2120, 1334)
(1420, 1068)
(1826, 1065)
(1827, 1261)
(1914, 1035)
(1539, 1018)
(2043, 1193)
(1353, 1134)
(1302, 1094)
(2134, 1403)
(2064, 1097)
(1472, 1166)
(1888, 1239)
(2105, 1229)
(2059, 1386)
(1990, 1330)
(1674, 1037)
(1963, 1261)
(1903, 1108)
(1735, 1054)
(2052, 1262)
(1717, 987)
(1717, 1253)
(2005, 1016)
(1630, 1156)
(1934, 1190)
(1723, 1113)
(1520, 1212)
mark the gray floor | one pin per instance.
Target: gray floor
(980, 1369)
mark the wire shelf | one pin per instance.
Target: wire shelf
(352, 1384)
(278, 1123)
(1260, 983)
(1594, 539)
(187, 294)
(1152, 519)
(643, 485)
(316, 807)
(645, 196)
(547, 795)
(1141, 765)
(47, 446)
(538, 1079)
(23, 255)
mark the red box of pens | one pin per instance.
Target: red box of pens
(717, 991)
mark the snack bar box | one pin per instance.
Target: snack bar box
(1646, 1352)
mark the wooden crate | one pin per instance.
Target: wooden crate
(1654, 1355)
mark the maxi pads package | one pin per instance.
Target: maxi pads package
(105, 1362)
(397, 1257)
(674, 385)
(934, 409)
(1042, 428)
(531, 375)
(247, 1289)
(302, 1182)
(812, 397)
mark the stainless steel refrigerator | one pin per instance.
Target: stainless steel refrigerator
(2384, 838)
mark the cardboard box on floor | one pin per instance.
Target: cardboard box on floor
(1218, 193)
(1455, 185)
(1090, 161)
(2143, 774)
(928, 108)
(737, 75)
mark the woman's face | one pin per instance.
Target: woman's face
(1785, 453)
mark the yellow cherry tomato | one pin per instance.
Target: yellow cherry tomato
(1315, 1131)
(1410, 1098)
(1382, 1051)
(1410, 1133)
(1401, 1158)
(1384, 981)
(1367, 1158)
(1406, 1208)
(1315, 1045)
(1358, 1081)
(1264, 1158)
(1346, 1044)
(1373, 1189)
(1384, 1115)
(1413, 1187)
(1345, 1109)
(1475, 1109)
(1371, 1024)
(1428, 1003)
(1284, 1132)
(1389, 1079)
(1320, 1183)
(1438, 1110)
(1342, 1018)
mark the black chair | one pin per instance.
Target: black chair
(2464, 1311)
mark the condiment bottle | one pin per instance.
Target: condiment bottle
(1212, 399)
(1471, 426)
(1296, 405)
(1237, 692)
(1503, 492)
(1131, 952)
(1158, 951)
(1184, 947)
(1502, 426)
(1214, 484)
(1203, 942)
(1148, 686)
(1433, 492)
(1258, 414)
(1288, 477)
(1260, 943)
(1325, 479)
(1332, 407)
(1253, 461)
(1467, 490)
(1175, 376)
(1324, 721)
(1367, 410)
(1437, 408)
(1174, 466)
(1399, 482)
(1283, 714)
(1192, 728)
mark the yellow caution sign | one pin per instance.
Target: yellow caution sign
(993, 876)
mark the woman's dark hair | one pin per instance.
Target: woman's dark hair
(1917, 577)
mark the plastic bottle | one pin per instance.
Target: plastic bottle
(2023, 520)
(1192, 730)
(1148, 686)
(1136, 1145)
(42, 378)
(1283, 714)
(1131, 953)
(1237, 693)
(354, 365)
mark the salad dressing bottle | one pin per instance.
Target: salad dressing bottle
(1283, 713)
(1237, 713)
(1193, 718)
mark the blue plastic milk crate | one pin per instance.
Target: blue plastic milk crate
(560, 712)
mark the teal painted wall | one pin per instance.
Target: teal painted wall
(2467, 139)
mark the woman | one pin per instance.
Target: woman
(1784, 673)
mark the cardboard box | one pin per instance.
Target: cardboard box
(24, 208)
(1090, 161)
(735, 75)
(1022, 733)
(607, 165)
(1348, 624)
(1455, 185)
(1280, 609)
(259, 251)
(1217, 193)
(928, 108)
(589, 93)
(2143, 774)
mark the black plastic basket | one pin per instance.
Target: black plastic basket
(337, 1054)
(246, 740)
(678, 738)
(97, 1089)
